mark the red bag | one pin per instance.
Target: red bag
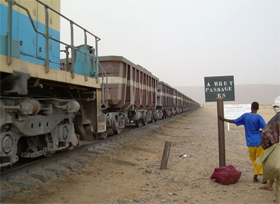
(226, 175)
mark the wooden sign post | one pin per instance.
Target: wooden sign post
(220, 89)
(221, 133)
(165, 155)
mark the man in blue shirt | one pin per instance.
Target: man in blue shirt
(253, 123)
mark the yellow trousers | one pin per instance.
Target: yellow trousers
(254, 153)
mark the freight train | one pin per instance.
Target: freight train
(50, 104)
(135, 94)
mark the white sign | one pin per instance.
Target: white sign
(233, 111)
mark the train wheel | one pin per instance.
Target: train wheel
(102, 135)
(139, 123)
(48, 155)
(71, 146)
(42, 144)
(88, 133)
(115, 128)
(118, 131)
(144, 122)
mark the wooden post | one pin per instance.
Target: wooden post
(221, 132)
(165, 155)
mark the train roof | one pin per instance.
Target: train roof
(123, 59)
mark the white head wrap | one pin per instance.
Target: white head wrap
(277, 103)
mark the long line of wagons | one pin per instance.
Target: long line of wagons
(50, 104)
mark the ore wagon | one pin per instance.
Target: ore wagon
(131, 94)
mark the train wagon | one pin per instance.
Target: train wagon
(46, 106)
(186, 103)
(179, 102)
(132, 92)
(171, 102)
(166, 101)
(176, 102)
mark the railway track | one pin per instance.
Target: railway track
(34, 173)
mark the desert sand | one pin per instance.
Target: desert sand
(131, 174)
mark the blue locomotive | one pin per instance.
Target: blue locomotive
(46, 105)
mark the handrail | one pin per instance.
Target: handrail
(9, 34)
(104, 87)
(48, 37)
(93, 56)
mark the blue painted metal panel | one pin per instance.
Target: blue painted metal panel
(54, 47)
(3, 19)
(84, 65)
(30, 42)
(41, 41)
(25, 34)
(15, 47)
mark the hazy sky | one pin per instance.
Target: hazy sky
(183, 41)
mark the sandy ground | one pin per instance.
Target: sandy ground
(131, 174)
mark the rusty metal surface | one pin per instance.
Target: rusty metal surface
(131, 87)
